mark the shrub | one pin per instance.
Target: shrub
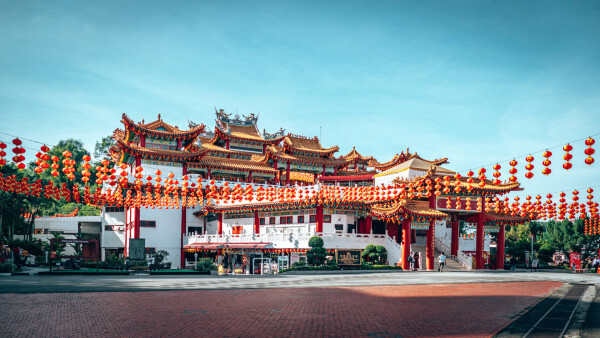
(299, 264)
(205, 264)
(7, 267)
(138, 268)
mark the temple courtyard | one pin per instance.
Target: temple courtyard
(465, 304)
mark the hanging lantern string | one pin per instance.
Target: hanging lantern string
(52, 145)
(530, 153)
(27, 139)
(555, 192)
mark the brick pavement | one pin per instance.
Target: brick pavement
(465, 310)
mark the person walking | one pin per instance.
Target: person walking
(513, 264)
(416, 261)
(442, 262)
(411, 261)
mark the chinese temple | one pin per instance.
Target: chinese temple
(318, 192)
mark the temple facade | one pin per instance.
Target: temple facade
(243, 234)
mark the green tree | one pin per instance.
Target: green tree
(101, 151)
(316, 254)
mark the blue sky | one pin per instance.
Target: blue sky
(477, 82)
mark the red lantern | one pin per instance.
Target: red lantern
(513, 170)
(546, 163)
(529, 166)
(497, 174)
(589, 151)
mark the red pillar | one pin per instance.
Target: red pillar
(220, 229)
(430, 247)
(479, 242)
(250, 177)
(183, 223)
(178, 144)
(323, 170)
(137, 223)
(406, 243)
(264, 148)
(256, 223)
(227, 144)
(500, 248)
(142, 140)
(392, 230)
(287, 174)
(368, 224)
(319, 218)
(208, 174)
(455, 224)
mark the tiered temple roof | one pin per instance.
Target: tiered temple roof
(305, 146)
(401, 158)
(355, 156)
(159, 129)
(410, 207)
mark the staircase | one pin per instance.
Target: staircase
(451, 264)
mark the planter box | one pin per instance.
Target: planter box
(214, 272)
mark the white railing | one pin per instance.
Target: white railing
(394, 250)
(294, 240)
(465, 260)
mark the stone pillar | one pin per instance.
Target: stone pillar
(256, 223)
(479, 242)
(406, 243)
(455, 224)
(287, 174)
(368, 224)
(500, 248)
(220, 229)
(319, 218)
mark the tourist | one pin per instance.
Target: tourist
(411, 261)
(442, 262)
(513, 264)
(595, 264)
(416, 261)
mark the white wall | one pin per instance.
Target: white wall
(166, 235)
(112, 239)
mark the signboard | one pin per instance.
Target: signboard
(294, 257)
(348, 257)
(137, 248)
(441, 203)
(419, 226)
(575, 259)
(357, 213)
(491, 228)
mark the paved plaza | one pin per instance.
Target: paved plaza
(458, 304)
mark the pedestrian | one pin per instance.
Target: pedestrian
(416, 260)
(513, 264)
(442, 262)
(410, 261)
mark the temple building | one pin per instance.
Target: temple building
(245, 234)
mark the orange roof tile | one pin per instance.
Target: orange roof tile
(153, 128)
(308, 144)
(219, 162)
(277, 152)
(411, 207)
(355, 155)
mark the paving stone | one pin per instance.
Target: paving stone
(465, 310)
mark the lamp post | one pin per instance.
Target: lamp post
(195, 259)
